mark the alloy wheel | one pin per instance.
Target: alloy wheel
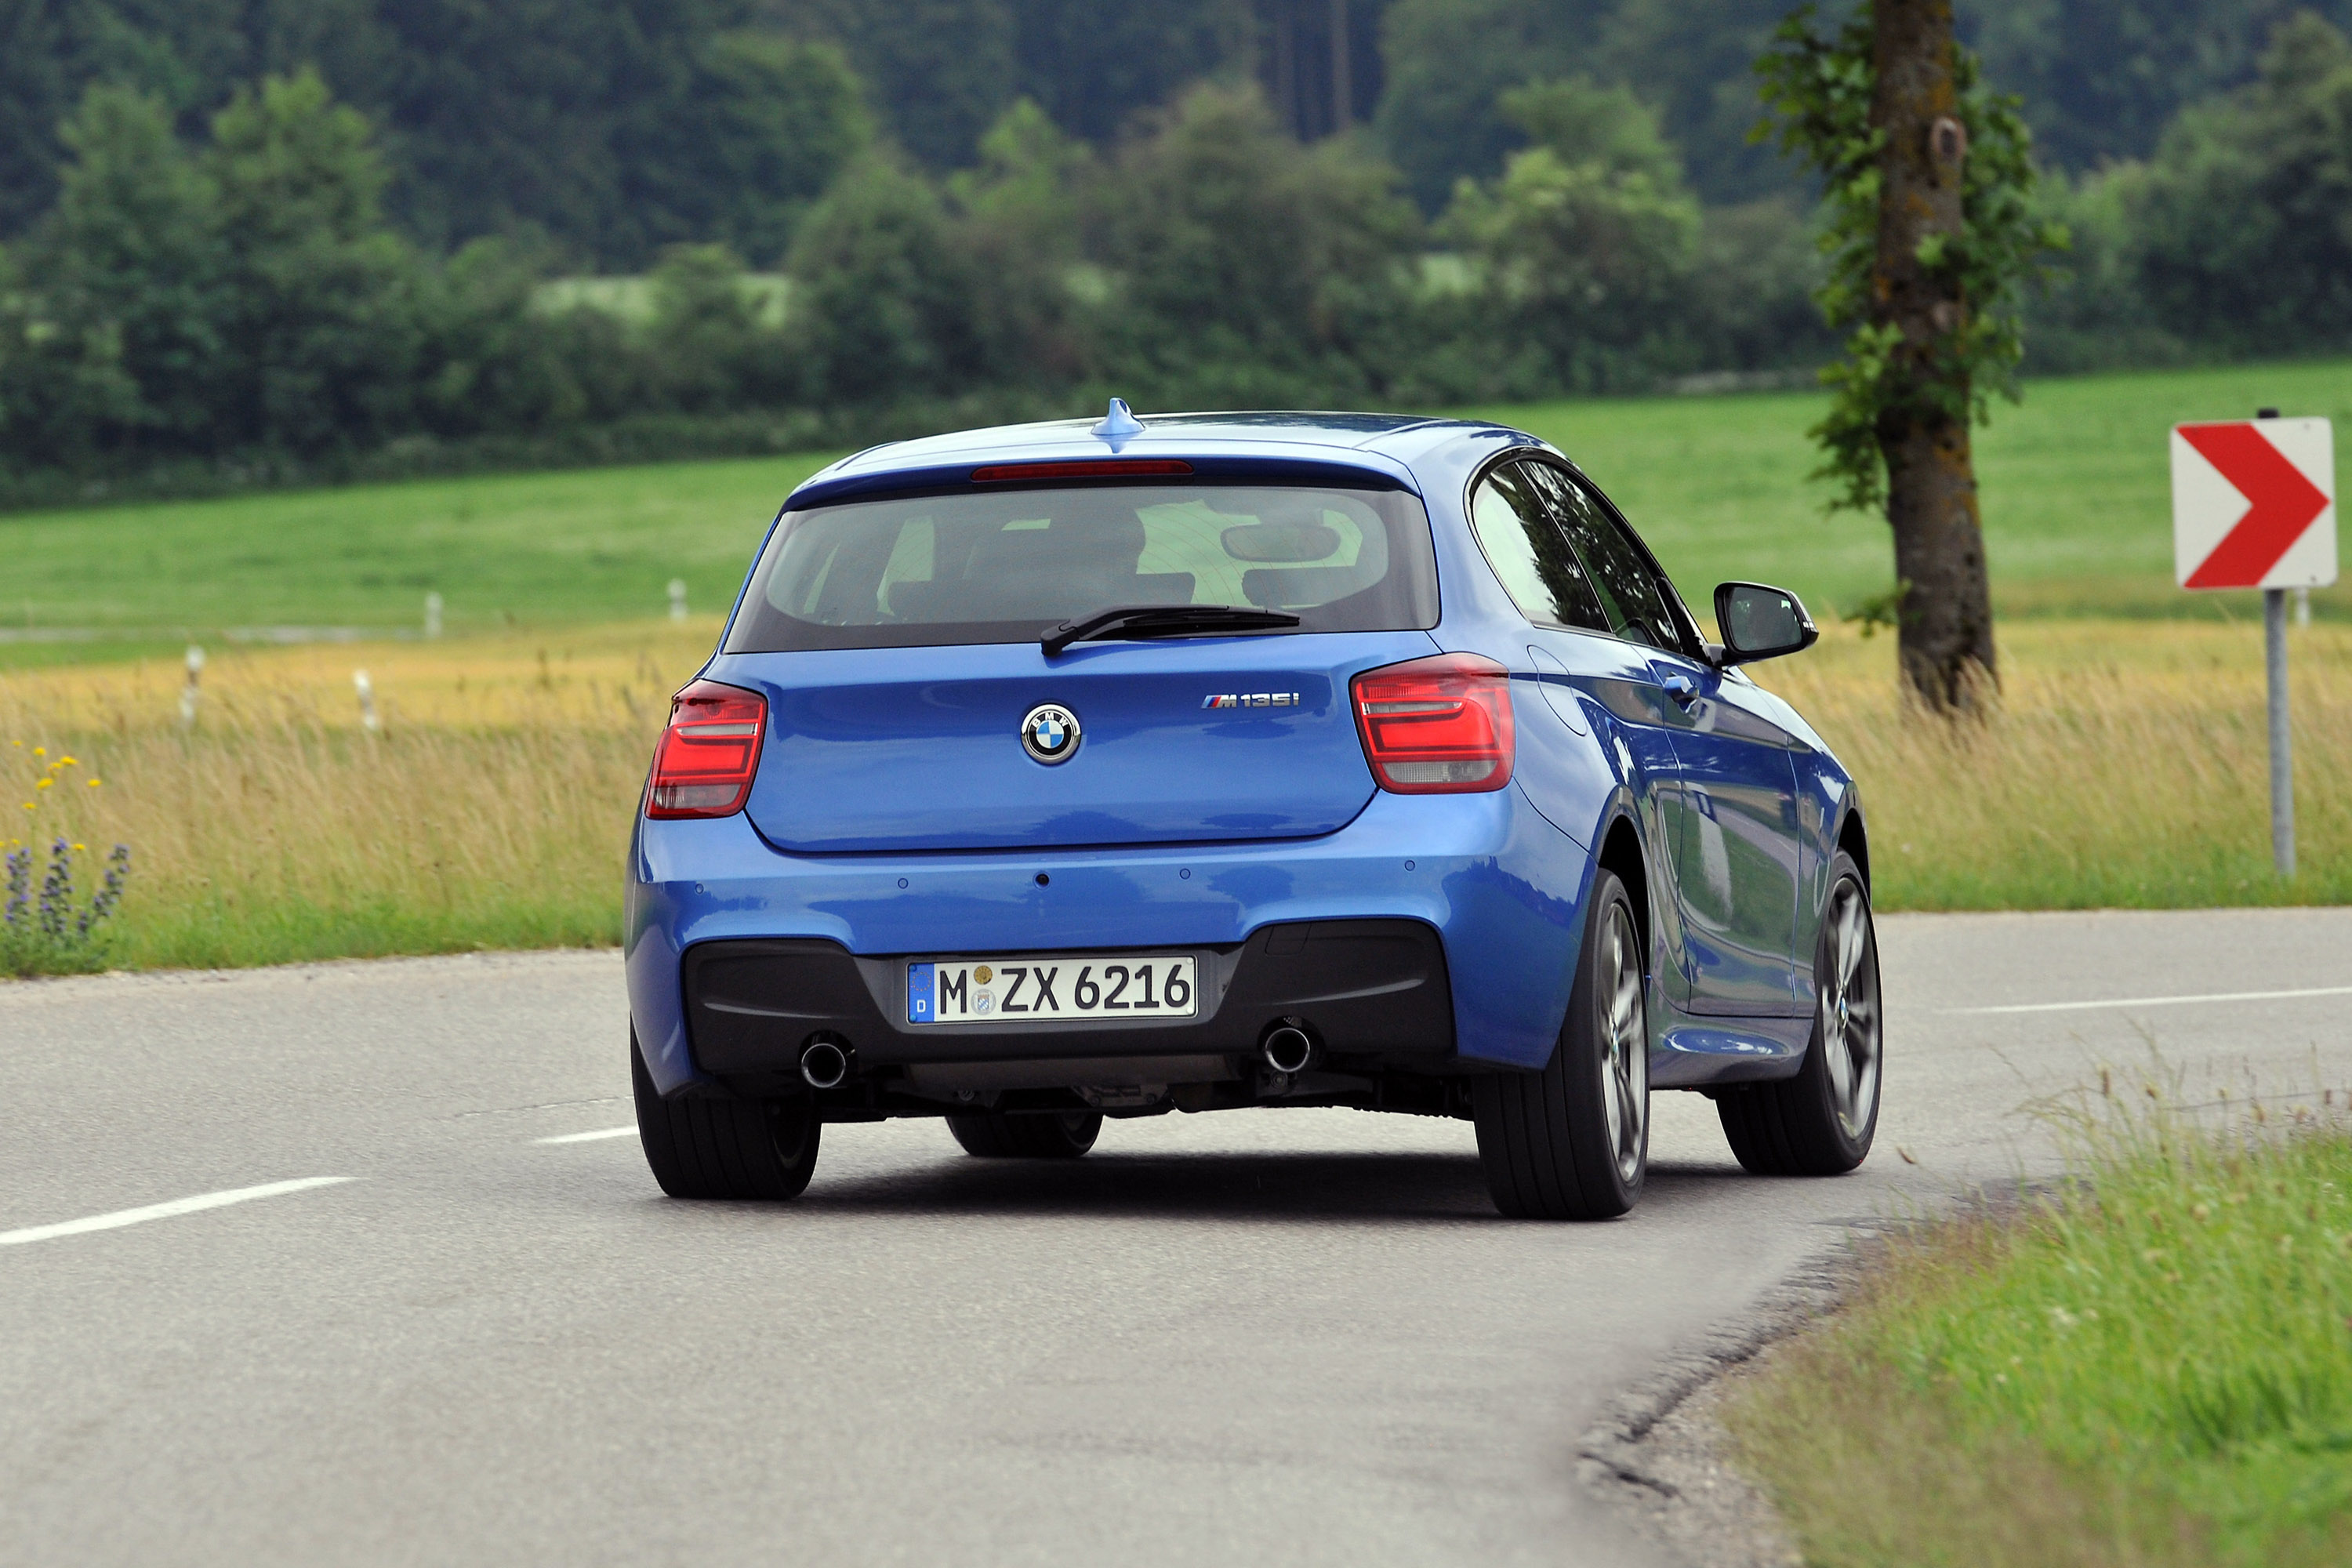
(1849, 1022)
(1625, 1049)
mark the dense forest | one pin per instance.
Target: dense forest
(259, 236)
(618, 126)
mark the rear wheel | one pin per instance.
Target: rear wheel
(1572, 1141)
(714, 1148)
(1821, 1122)
(1050, 1135)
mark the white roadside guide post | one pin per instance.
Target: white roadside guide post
(677, 598)
(191, 692)
(366, 689)
(2254, 506)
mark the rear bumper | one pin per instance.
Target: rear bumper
(1477, 901)
(1373, 993)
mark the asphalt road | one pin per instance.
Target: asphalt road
(1265, 1336)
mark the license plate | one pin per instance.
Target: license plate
(1024, 990)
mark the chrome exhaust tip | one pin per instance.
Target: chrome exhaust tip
(1287, 1049)
(824, 1063)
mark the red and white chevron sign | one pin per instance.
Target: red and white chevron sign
(2253, 504)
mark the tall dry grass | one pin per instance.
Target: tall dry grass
(2124, 765)
(491, 809)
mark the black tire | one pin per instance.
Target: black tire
(993, 1135)
(1572, 1141)
(1821, 1121)
(711, 1148)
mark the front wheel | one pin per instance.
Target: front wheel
(1821, 1122)
(1036, 1135)
(1572, 1141)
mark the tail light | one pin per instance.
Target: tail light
(707, 755)
(1437, 726)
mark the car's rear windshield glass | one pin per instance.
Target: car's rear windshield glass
(1011, 565)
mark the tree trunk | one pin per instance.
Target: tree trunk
(1286, 73)
(1944, 629)
(1343, 72)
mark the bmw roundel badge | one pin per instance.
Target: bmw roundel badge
(1050, 733)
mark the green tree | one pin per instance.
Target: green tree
(2094, 313)
(1692, 59)
(1092, 68)
(2239, 223)
(1023, 216)
(1449, 63)
(488, 361)
(113, 332)
(556, 115)
(1750, 302)
(1588, 243)
(740, 155)
(2102, 80)
(34, 96)
(942, 70)
(1932, 233)
(184, 53)
(1250, 271)
(320, 336)
(712, 350)
(883, 306)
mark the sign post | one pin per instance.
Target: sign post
(2282, 741)
(2254, 506)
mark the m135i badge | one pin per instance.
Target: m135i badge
(1252, 699)
(1050, 733)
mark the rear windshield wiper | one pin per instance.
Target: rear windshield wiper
(1164, 621)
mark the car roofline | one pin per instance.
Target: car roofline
(1292, 463)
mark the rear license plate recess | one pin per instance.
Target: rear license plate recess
(1093, 986)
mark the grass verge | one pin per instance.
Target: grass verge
(2153, 1366)
(2124, 768)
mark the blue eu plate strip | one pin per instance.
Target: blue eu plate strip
(918, 993)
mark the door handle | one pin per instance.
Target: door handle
(1681, 689)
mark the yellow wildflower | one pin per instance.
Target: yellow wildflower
(42, 784)
(38, 751)
(65, 762)
(81, 846)
(93, 784)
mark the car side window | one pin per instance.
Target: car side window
(1630, 592)
(1521, 536)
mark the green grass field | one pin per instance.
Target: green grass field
(2075, 501)
(534, 550)
(2075, 485)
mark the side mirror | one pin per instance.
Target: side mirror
(1761, 622)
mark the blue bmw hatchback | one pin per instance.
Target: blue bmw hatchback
(1062, 772)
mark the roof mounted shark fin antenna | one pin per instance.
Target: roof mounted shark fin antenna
(1118, 424)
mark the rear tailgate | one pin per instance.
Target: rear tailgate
(1179, 740)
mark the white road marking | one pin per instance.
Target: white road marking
(196, 1204)
(2162, 1001)
(628, 1132)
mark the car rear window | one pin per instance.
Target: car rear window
(1011, 565)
